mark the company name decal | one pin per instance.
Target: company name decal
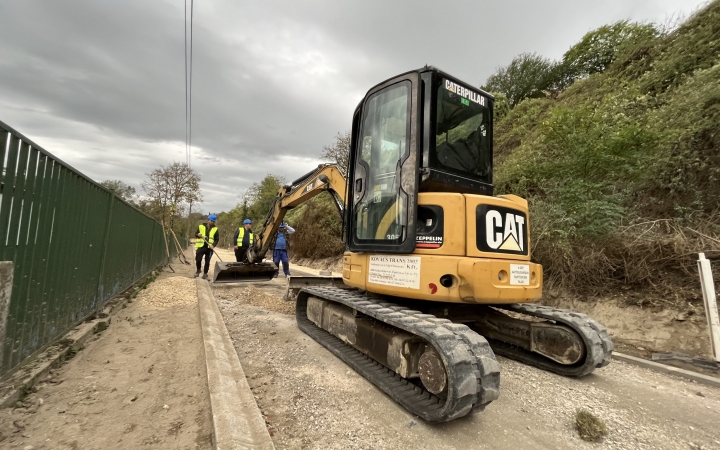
(389, 259)
(465, 92)
(504, 231)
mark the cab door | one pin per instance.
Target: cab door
(382, 206)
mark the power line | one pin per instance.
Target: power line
(187, 161)
(190, 87)
(188, 84)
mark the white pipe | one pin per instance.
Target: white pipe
(711, 309)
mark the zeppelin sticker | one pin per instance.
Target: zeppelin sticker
(398, 271)
(428, 241)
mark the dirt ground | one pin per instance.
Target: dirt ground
(312, 400)
(139, 384)
(142, 384)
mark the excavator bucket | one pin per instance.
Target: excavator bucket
(235, 272)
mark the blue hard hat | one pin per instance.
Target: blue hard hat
(212, 217)
(282, 225)
(247, 221)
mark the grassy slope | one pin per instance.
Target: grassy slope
(622, 169)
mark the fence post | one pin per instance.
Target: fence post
(711, 310)
(101, 278)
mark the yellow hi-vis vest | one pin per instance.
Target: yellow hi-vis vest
(199, 242)
(241, 235)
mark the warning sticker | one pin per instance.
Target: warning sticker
(399, 271)
(520, 274)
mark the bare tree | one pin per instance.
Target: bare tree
(173, 189)
(339, 151)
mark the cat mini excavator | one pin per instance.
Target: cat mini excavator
(437, 277)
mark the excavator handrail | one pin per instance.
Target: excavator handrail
(326, 178)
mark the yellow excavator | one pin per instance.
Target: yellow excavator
(437, 276)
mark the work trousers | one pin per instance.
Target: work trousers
(281, 255)
(199, 253)
(240, 253)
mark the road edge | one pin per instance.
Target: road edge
(237, 421)
(694, 376)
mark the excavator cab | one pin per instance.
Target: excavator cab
(422, 131)
(420, 183)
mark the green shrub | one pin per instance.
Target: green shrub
(318, 229)
(589, 427)
(693, 46)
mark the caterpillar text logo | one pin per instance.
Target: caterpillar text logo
(465, 92)
(501, 230)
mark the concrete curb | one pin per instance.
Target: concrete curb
(237, 421)
(697, 377)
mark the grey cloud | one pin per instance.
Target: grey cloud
(101, 83)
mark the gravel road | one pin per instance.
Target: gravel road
(312, 400)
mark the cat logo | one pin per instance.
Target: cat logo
(501, 230)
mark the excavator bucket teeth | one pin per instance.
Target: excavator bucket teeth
(234, 272)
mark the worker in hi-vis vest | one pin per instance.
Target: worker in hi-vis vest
(206, 239)
(243, 239)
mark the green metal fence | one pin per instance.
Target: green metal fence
(73, 245)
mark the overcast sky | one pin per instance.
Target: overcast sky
(101, 84)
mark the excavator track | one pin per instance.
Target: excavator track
(598, 346)
(472, 371)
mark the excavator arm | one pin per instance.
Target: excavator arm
(326, 178)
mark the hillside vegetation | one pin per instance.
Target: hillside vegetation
(622, 168)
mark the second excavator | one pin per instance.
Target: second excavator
(437, 277)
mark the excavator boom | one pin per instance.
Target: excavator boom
(326, 178)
